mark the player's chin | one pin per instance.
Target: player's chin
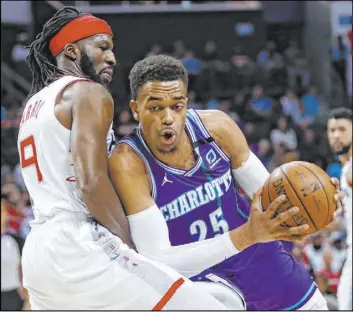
(167, 150)
(105, 80)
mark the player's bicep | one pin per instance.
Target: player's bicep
(130, 179)
(92, 115)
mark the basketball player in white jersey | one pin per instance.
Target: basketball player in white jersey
(339, 131)
(63, 151)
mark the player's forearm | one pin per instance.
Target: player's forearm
(241, 237)
(190, 259)
(104, 205)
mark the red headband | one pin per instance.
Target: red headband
(79, 28)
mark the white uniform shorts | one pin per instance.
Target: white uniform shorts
(66, 265)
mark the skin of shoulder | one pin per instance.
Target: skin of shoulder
(86, 93)
(227, 134)
(130, 179)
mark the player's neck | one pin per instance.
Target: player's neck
(69, 67)
(182, 158)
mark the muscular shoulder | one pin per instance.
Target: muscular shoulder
(84, 98)
(124, 160)
(223, 129)
(87, 90)
(227, 135)
(217, 122)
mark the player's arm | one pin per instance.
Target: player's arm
(148, 227)
(92, 115)
(247, 169)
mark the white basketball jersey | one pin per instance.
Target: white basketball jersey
(45, 154)
(347, 201)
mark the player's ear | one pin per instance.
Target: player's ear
(135, 110)
(72, 51)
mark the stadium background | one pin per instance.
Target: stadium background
(276, 67)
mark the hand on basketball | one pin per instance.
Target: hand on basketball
(265, 226)
(338, 197)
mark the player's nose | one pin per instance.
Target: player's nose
(110, 59)
(168, 117)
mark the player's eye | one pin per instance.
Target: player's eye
(154, 108)
(178, 106)
(103, 48)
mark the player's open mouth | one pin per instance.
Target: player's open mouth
(168, 137)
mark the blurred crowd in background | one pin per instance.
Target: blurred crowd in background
(272, 98)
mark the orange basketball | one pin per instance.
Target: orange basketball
(306, 186)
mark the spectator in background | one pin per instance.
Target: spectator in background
(303, 120)
(270, 62)
(213, 79)
(250, 133)
(124, 125)
(225, 106)
(192, 100)
(14, 208)
(338, 251)
(308, 146)
(290, 104)
(28, 216)
(311, 102)
(12, 292)
(297, 67)
(191, 63)
(299, 253)
(318, 253)
(264, 152)
(19, 54)
(264, 55)
(3, 114)
(212, 103)
(334, 170)
(9, 131)
(18, 178)
(156, 49)
(179, 49)
(193, 67)
(210, 52)
(239, 58)
(242, 71)
(260, 106)
(283, 136)
(340, 53)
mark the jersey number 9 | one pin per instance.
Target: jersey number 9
(32, 160)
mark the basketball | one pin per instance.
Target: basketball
(306, 186)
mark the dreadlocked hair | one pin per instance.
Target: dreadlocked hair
(40, 60)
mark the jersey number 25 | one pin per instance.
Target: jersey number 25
(219, 225)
